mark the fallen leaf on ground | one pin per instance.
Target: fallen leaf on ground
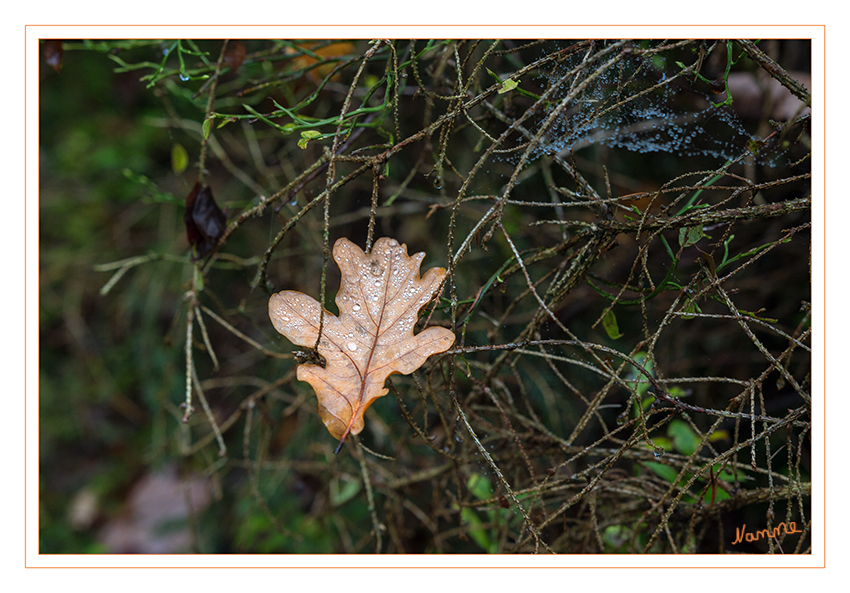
(379, 300)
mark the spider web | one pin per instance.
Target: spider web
(641, 105)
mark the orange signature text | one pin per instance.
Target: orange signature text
(742, 535)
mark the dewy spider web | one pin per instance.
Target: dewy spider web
(640, 104)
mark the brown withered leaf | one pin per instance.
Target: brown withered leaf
(204, 220)
(234, 54)
(379, 300)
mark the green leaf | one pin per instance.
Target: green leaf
(508, 85)
(690, 236)
(306, 136)
(663, 442)
(493, 74)
(609, 322)
(615, 536)
(206, 128)
(478, 534)
(642, 384)
(728, 260)
(685, 440)
(719, 494)
(755, 316)
(479, 486)
(718, 435)
(665, 472)
(179, 159)
(725, 474)
(690, 306)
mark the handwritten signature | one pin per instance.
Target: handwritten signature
(742, 535)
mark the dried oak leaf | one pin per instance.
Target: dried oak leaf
(379, 300)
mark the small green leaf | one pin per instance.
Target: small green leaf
(690, 236)
(663, 442)
(179, 159)
(685, 440)
(691, 307)
(718, 435)
(370, 80)
(725, 474)
(719, 494)
(677, 392)
(479, 486)
(615, 536)
(508, 85)
(609, 322)
(642, 384)
(478, 534)
(755, 316)
(206, 128)
(306, 136)
(665, 472)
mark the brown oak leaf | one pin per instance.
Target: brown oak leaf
(379, 300)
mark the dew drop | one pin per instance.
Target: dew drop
(355, 307)
(352, 346)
